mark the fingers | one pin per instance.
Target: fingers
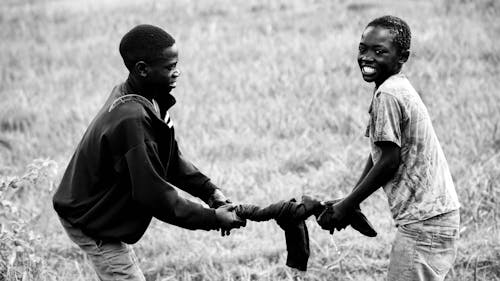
(329, 220)
(239, 221)
(225, 232)
(232, 220)
(230, 207)
(325, 220)
(341, 225)
(227, 207)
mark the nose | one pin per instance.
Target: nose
(367, 56)
(176, 73)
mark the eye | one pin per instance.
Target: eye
(379, 52)
(171, 67)
(361, 49)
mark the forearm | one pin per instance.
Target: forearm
(183, 174)
(197, 186)
(158, 196)
(186, 214)
(379, 174)
(368, 167)
(161, 198)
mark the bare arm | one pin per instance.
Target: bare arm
(387, 117)
(375, 177)
(368, 167)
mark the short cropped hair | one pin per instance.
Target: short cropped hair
(144, 42)
(398, 27)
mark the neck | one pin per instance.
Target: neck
(380, 82)
(164, 99)
(136, 87)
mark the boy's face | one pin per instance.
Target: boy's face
(162, 73)
(378, 57)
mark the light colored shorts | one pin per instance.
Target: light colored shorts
(110, 260)
(425, 250)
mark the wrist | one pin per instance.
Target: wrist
(218, 218)
(217, 199)
(216, 221)
(348, 203)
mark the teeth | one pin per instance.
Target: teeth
(368, 70)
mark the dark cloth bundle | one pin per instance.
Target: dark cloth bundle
(290, 216)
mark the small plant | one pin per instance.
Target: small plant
(19, 206)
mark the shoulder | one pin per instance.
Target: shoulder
(129, 110)
(129, 122)
(397, 85)
(386, 98)
(129, 114)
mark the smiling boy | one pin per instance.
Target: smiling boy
(127, 166)
(406, 159)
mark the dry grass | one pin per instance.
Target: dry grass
(270, 105)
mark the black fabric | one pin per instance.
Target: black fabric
(291, 215)
(124, 172)
(297, 243)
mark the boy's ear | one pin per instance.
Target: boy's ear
(141, 68)
(403, 56)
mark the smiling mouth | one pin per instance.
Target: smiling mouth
(368, 70)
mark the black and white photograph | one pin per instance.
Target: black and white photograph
(249, 140)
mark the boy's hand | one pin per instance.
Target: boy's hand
(325, 219)
(341, 212)
(217, 199)
(313, 206)
(335, 216)
(228, 219)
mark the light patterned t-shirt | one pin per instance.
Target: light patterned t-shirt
(422, 186)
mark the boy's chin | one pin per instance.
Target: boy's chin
(168, 89)
(368, 79)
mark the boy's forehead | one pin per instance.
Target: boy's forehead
(167, 55)
(377, 34)
(170, 52)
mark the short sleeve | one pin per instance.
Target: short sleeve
(386, 119)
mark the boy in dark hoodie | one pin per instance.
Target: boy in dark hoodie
(127, 166)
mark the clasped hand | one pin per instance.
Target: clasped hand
(228, 219)
(224, 212)
(335, 216)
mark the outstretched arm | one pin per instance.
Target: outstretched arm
(160, 197)
(379, 174)
(387, 118)
(183, 174)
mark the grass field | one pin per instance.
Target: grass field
(270, 105)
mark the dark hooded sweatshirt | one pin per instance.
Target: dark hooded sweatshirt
(123, 173)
